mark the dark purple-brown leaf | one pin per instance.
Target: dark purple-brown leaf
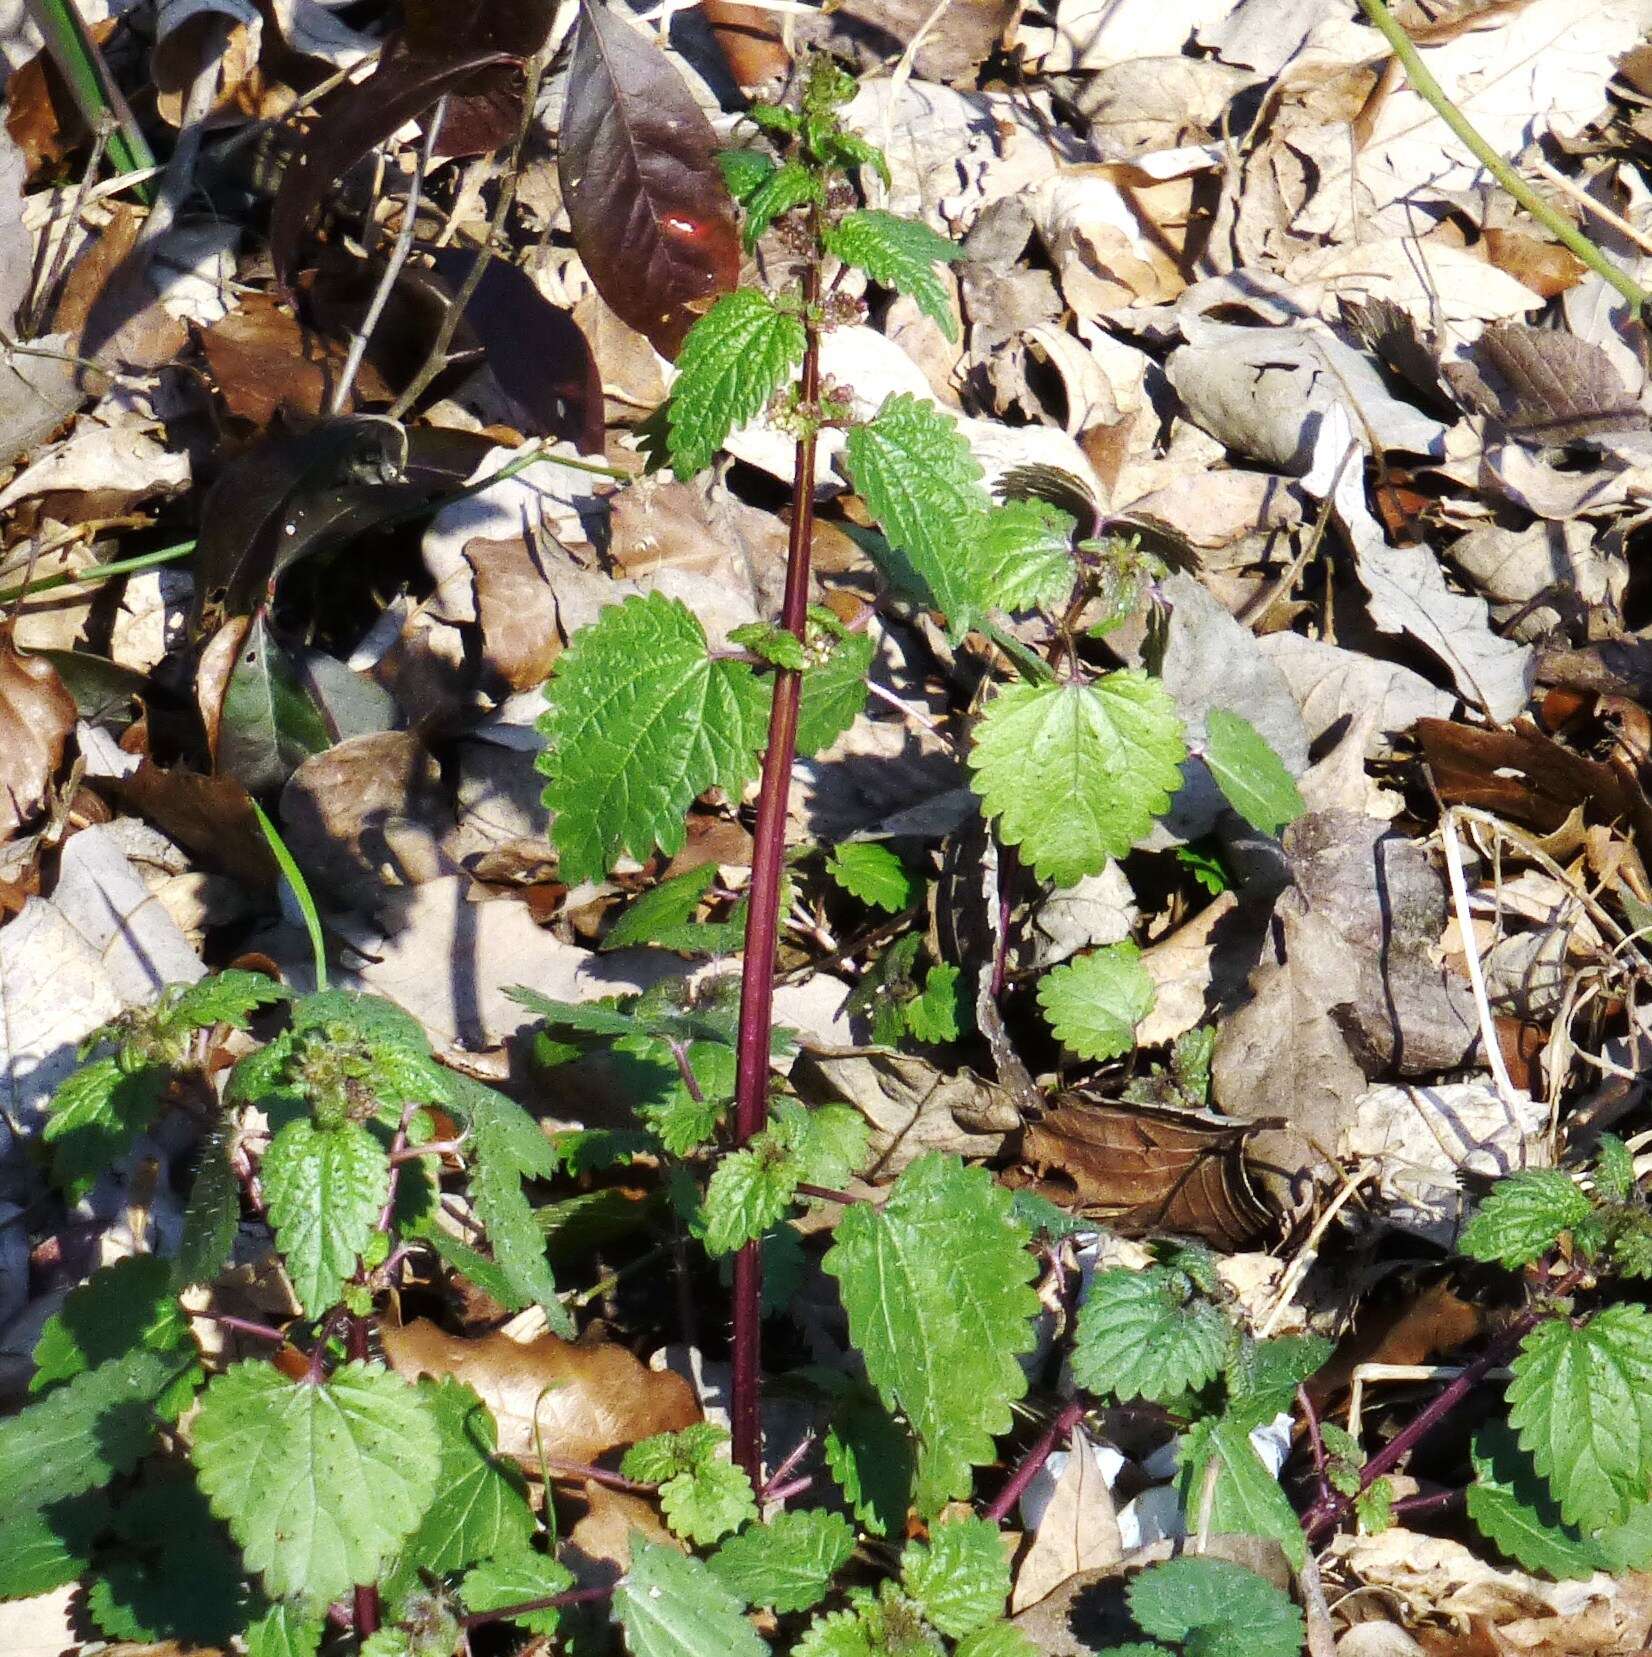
(536, 350)
(650, 214)
(356, 122)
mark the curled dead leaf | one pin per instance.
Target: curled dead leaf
(1145, 1168)
(36, 716)
(574, 1401)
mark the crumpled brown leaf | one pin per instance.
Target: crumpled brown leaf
(1142, 1168)
(1544, 388)
(37, 716)
(572, 1400)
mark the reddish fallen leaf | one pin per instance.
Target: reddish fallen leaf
(36, 717)
(1530, 778)
(750, 41)
(650, 215)
(484, 111)
(538, 353)
(1142, 1168)
(41, 114)
(574, 1401)
(265, 362)
(211, 817)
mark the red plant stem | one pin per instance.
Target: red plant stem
(797, 1452)
(1316, 1442)
(751, 1089)
(1043, 1447)
(356, 1344)
(1326, 1513)
(573, 1596)
(598, 1475)
(244, 1326)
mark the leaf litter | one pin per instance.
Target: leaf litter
(1226, 289)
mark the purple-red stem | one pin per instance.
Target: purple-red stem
(1043, 1447)
(766, 1491)
(551, 1602)
(1329, 1510)
(598, 1475)
(751, 1089)
(357, 1344)
(244, 1326)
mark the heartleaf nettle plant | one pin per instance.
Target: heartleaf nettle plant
(1071, 763)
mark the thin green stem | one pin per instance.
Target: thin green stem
(77, 57)
(1429, 90)
(98, 572)
(300, 889)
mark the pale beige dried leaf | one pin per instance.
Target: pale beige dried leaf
(1078, 1531)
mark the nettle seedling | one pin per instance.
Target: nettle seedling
(312, 1496)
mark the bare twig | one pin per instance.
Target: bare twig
(393, 265)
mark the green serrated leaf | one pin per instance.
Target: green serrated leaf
(707, 1503)
(667, 906)
(899, 253)
(1524, 1217)
(325, 1189)
(827, 1142)
(663, 1456)
(934, 1015)
(506, 1148)
(1140, 1336)
(779, 191)
(318, 1483)
(1581, 1401)
(85, 1432)
(1216, 1609)
(915, 471)
(672, 1606)
(1251, 776)
(731, 363)
(872, 873)
(777, 645)
(174, 1575)
(748, 1193)
(95, 1115)
(1263, 1376)
(787, 1564)
(1614, 1168)
(1513, 1508)
(743, 170)
(641, 721)
(130, 1303)
(998, 1639)
(45, 1546)
(228, 997)
(871, 1458)
(1374, 1507)
(285, 1631)
(514, 1578)
(943, 1255)
(1025, 554)
(1093, 1004)
(834, 692)
(1246, 1499)
(210, 1217)
(1075, 774)
(481, 1506)
(961, 1577)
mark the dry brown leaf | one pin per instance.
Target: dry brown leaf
(42, 1626)
(574, 1401)
(1078, 1530)
(366, 814)
(37, 716)
(264, 362)
(1142, 1168)
(598, 1550)
(517, 610)
(751, 43)
(1545, 388)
